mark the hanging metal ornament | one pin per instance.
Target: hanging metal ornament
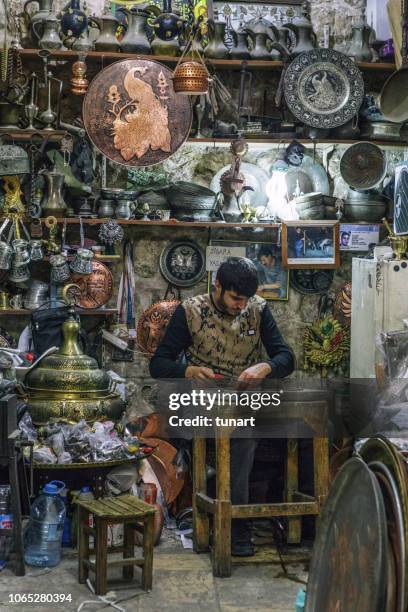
(133, 115)
(190, 77)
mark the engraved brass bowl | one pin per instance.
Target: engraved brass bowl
(190, 79)
(69, 385)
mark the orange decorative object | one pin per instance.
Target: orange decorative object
(79, 84)
(190, 78)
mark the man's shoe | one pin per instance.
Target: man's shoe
(242, 547)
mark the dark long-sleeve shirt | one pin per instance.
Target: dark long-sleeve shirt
(177, 339)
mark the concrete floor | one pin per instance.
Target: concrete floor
(183, 582)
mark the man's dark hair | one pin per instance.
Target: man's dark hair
(266, 251)
(238, 274)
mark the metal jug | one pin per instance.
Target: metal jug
(82, 263)
(44, 9)
(135, 40)
(21, 256)
(167, 26)
(359, 48)
(48, 32)
(59, 269)
(302, 28)
(240, 48)
(261, 35)
(55, 203)
(36, 250)
(216, 48)
(107, 25)
(6, 255)
(19, 274)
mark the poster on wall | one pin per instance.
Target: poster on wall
(272, 278)
(358, 237)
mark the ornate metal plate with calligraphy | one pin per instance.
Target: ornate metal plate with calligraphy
(323, 88)
(182, 263)
(132, 114)
(96, 288)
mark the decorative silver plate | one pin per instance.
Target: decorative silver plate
(182, 263)
(323, 88)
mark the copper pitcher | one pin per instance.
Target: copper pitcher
(107, 26)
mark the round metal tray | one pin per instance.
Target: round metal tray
(381, 450)
(348, 570)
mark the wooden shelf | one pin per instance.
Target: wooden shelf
(171, 223)
(23, 312)
(167, 59)
(105, 258)
(19, 134)
(306, 141)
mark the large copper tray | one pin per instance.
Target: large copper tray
(132, 114)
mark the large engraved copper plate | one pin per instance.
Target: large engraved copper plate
(132, 114)
(348, 570)
(96, 288)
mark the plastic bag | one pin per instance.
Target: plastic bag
(43, 454)
(56, 442)
(26, 426)
(64, 458)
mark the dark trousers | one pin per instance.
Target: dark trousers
(242, 454)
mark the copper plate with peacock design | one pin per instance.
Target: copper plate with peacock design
(323, 88)
(133, 115)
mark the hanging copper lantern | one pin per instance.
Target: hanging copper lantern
(190, 76)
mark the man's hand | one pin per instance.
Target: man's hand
(250, 376)
(199, 373)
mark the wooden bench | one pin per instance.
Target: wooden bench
(314, 415)
(134, 514)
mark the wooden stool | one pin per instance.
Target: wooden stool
(314, 415)
(133, 513)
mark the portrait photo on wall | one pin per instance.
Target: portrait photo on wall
(267, 257)
(310, 244)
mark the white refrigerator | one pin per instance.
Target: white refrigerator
(379, 303)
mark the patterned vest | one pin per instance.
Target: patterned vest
(225, 343)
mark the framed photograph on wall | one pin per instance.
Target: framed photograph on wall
(267, 257)
(310, 244)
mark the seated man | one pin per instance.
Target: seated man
(223, 333)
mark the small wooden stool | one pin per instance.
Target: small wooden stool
(133, 513)
(297, 407)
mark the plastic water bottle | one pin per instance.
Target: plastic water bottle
(6, 522)
(300, 601)
(44, 533)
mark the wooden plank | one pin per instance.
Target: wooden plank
(291, 485)
(128, 551)
(148, 543)
(201, 527)
(221, 551)
(83, 545)
(280, 509)
(129, 562)
(222, 461)
(101, 549)
(321, 468)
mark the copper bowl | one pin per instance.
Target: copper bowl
(190, 79)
